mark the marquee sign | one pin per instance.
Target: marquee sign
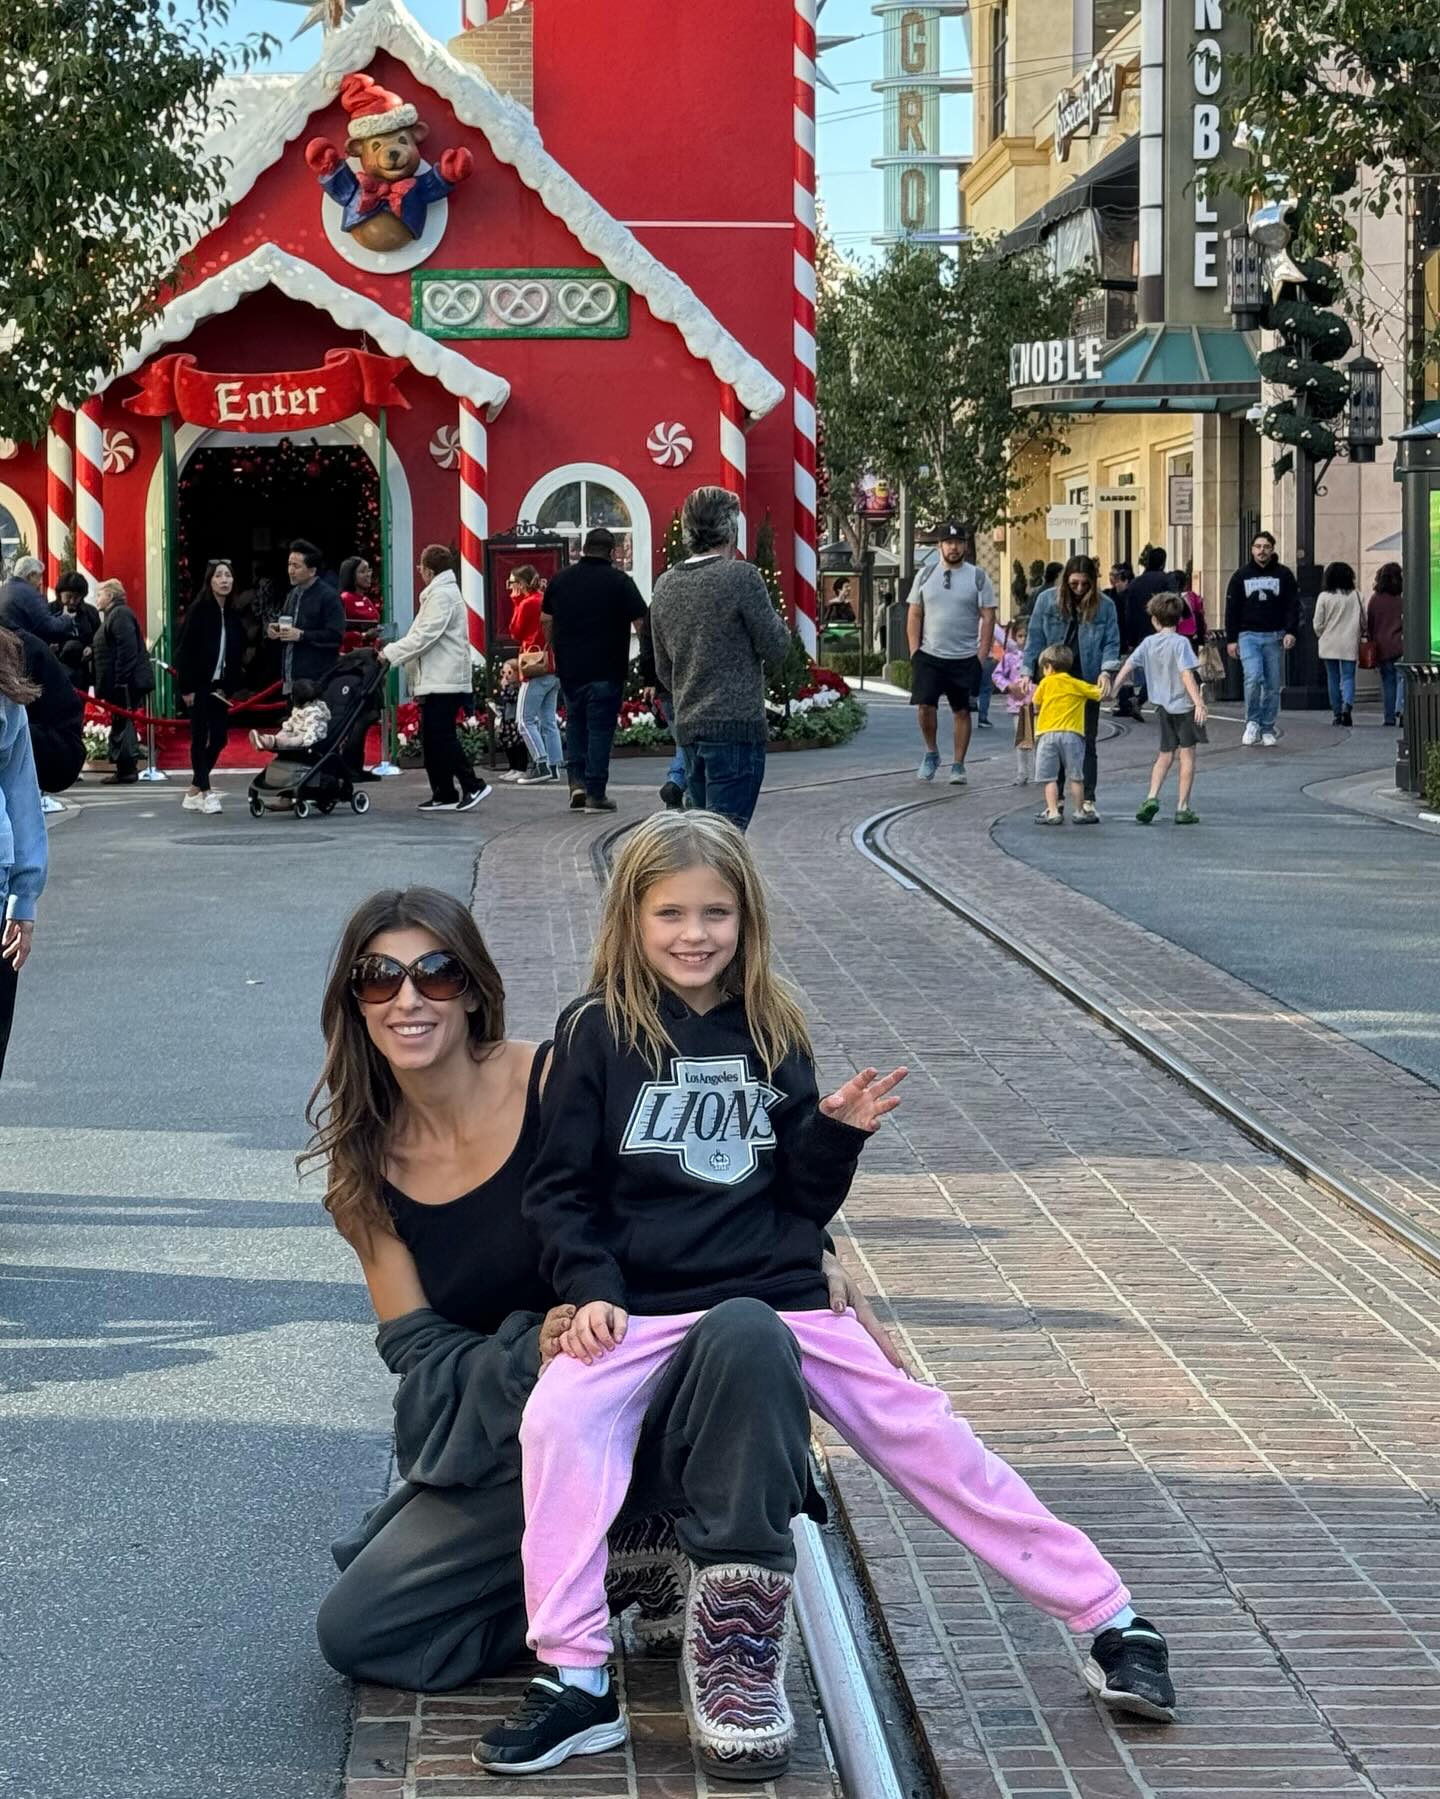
(1080, 108)
(1048, 362)
(350, 381)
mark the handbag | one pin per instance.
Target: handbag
(533, 664)
(1211, 669)
(1369, 654)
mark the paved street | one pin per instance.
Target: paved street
(1228, 1380)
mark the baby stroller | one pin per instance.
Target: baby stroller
(319, 779)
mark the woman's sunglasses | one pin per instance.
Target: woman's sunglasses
(375, 980)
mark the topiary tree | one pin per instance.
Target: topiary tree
(794, 672)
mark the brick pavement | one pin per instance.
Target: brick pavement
(1229, 1381)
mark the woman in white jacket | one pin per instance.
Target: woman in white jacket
(436, 652)
(1339, 625)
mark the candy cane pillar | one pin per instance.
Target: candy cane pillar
(474, 516)
(59, 490)
(89, 493)
(806, 532)
(733, 457)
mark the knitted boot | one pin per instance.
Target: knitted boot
(648, 1569)
(737, 1643)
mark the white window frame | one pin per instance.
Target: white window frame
(642, 552)
(1077, 493)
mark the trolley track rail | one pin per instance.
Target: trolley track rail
(871, 839)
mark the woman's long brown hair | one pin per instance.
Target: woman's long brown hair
(1090, 605)
(353, 1109)
(15, 684)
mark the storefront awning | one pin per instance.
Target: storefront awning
(1114, 181)
(1161, 368)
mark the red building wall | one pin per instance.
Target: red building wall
(679, 129)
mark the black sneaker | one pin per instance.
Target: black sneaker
(594, 805)
(438, 806)
(472, 800)
(577, 799)
(1129, 1670)
(553, 1723)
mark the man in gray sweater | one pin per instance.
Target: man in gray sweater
(713, 628)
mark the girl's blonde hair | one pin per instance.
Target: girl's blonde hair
(627, 986)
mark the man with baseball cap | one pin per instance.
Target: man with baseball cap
(951, 625)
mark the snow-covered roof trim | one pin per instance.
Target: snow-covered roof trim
(299, 280)
(515, 140)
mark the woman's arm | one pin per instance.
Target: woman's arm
(30, 854)
(425, 631)
(390, 1274)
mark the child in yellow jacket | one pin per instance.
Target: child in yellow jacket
(1059, 701)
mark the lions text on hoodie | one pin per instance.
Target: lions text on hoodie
(672, 1191)
(1261, 599)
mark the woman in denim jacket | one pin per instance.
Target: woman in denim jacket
(1078, 614)
(23, 847)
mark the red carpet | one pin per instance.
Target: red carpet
(173, 750)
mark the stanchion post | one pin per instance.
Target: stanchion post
(389, 731)
(150, 772)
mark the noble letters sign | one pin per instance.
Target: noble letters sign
(350, 381)
(1095, 96)
(1207, 70)
(1050, 361)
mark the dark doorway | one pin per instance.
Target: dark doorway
(248, 502)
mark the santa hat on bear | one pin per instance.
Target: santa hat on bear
(374, 111)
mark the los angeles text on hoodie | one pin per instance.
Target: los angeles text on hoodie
(1261, 599)
(669, 1193)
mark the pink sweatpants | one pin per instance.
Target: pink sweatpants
(582, 1423)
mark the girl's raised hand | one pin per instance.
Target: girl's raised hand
(864, 1099)
(595, 1328)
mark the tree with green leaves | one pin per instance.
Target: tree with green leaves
(109, 110)
(1336, 104)
(790, 675)
(914, 376)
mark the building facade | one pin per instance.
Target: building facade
(582, 299)
(1094, 119)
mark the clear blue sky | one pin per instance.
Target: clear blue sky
(849, 119)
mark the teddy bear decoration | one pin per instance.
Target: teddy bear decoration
(383, 206)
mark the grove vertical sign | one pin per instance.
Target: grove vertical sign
(912, 120)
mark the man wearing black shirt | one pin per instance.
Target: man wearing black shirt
(587, 614)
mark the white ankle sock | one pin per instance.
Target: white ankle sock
(1122, 1620)
(591, 1680)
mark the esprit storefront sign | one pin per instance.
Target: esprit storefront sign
(1094, 97)
(1048, 362)
(350, 381)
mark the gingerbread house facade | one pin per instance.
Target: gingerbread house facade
(578, 300)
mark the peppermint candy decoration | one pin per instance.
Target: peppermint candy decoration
(8, 449)
(118, 451)
(669, 445)
(445, 446)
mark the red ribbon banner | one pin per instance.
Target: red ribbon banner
(349, 381)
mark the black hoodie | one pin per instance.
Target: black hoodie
(670, 1193)
(1261, 599)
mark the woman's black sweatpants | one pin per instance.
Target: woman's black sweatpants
(433, 1598)
(445, 762)
(209, 733)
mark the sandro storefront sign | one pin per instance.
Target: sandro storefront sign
(350, 381)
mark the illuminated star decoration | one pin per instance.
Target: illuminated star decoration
(332, 14)
(824, 44)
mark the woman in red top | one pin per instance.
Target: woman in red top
(539, 691)
(1385, 627)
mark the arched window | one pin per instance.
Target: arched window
(584, 497)
(10, 536)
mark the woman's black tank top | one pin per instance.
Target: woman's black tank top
(476, 1258)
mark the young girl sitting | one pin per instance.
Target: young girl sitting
(1010, 678)
(686, 1161)
(303, 728)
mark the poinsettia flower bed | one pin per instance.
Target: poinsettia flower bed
(475, 728)
(821, 712)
